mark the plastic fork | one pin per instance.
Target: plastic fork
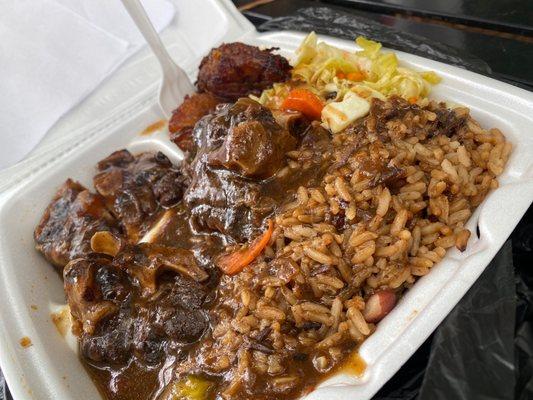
(175, 84)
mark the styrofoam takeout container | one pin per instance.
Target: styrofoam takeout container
(112, 118)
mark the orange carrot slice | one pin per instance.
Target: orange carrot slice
(234, 262)
(355, 76)
(305, 101)
(341, 75)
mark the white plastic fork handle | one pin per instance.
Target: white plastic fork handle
(175, 83)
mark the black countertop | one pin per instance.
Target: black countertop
(508, 15)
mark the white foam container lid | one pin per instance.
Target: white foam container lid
(112, 118)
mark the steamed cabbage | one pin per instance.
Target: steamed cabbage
(319, 65)
(325, 69)
(334, 74)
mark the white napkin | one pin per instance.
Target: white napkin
(52, 55)
(111, 16)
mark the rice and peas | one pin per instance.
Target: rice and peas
(402, 183)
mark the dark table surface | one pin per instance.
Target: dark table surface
(500, 32)
(508, 16)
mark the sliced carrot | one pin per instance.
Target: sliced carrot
(412, 100)
(356, 76)
(304, 101)
(341, 75)
(233, 263)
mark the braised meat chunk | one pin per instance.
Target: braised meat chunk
(149, 330)
(255, 146)
(135, 187)
(95, 288)
(187, 115)
(175, 315)
(144, 302)
(145, 262)
(68, 223)
(239, 147)
(236, 70)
